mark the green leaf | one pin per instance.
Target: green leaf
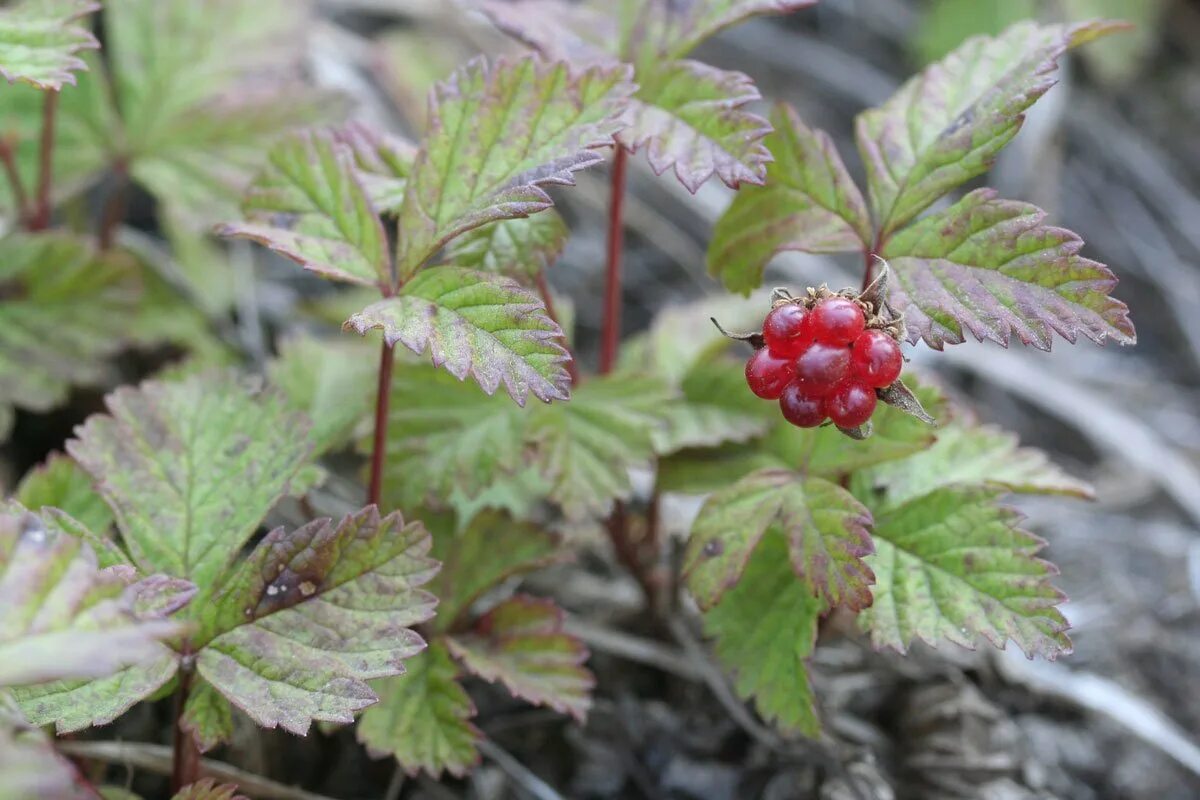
(765, 629)
(716, 409)
(496, 136)
(39, 40)
(63, 310)
(954, 565)
(521, 644)
(586, 447)
(207, 716)
(209, 789)
(674, 29)
(309, 205)
(382, 162)
(969, 455)
(520, 248)
(691, 116)
(59, 482)
(61, 617)
(191, 468)
(476, 324)
(423, 718)
(30, 767)
(490, 551)
(826, 530)
(993, 268)
(945, 126)
(809, 203)
(330, 380)
(311, 615)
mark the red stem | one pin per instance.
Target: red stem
(114, 206)
(379, 446)
(186, 766)
(548, 302)
(41, 215)
(8, 158)
(610, 339)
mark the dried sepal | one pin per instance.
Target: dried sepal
(901, 397)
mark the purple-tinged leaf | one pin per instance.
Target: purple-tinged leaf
(764, 629)
(947, 124)
(499, 134)
(313, 614)
(809, 203)
(423, 718)
(669, 29)
(39, 40)
(476, 324)
(209, 789)
(520, 248)
(993, 268)
(954, 565)
(30, 767)
(60, 482)
(207, 716)
(824, 526)
(309, 205)
(582, 33)
(382, 162)
(691, 116)
(521, 644)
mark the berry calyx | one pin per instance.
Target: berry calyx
(821, 367)
(836, 320)
(767, 373)
(785, 330)
(800, 409)
(851, 405)
(875, 359)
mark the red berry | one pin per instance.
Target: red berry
(875, 359)
(785, 329)
(821, 367)
(800, 409)
(851, 405)
(836, 320)
(768, 373)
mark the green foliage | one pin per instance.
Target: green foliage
(328, 380)
(208, 789)
(519, 248)
(61, 484)
(40, 39)
(29, 765)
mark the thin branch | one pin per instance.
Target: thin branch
(383, 395)
(41, 214)
(635, 648)
(156, 758)
(185, 767)
(610, 337)
(114, 205)
(9, 160)
(532, 785)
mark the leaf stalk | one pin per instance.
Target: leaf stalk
(610, 338)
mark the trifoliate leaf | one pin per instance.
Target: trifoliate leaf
(309, 205)
(953, 565)
(496, 136)
(330, 380)
(491, 550)
(765, 629)
(207, 716)
(62, 618)
(39, 40)
(476, 324)
(423, 718)
(824, 526)
(59, 482)
(691, 116)
(191, 468)
(586, 447)
(947, 124)
(972, 455)
(312, 614)
(30, 767)
(208, 789)
(716, 408)
(204, 89)
(993, 268)
(520, 248)
(521, 643)
(809, 203)
(63, 310)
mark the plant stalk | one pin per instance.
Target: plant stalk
(114, 205)
(9, 159)
(548, 302)
(610, 338)
(379, 445)
(186, 761)
(41, 213)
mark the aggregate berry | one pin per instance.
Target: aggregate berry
(821, 367)
(836, 320)
(800, 409)
(875, 359)
(785, 330)
(768, 373)
(851, 405)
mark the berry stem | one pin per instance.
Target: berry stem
(548, 301)
(9, 160)
(41, 214)
(610, 337)
(379, 443)
(186, 755)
